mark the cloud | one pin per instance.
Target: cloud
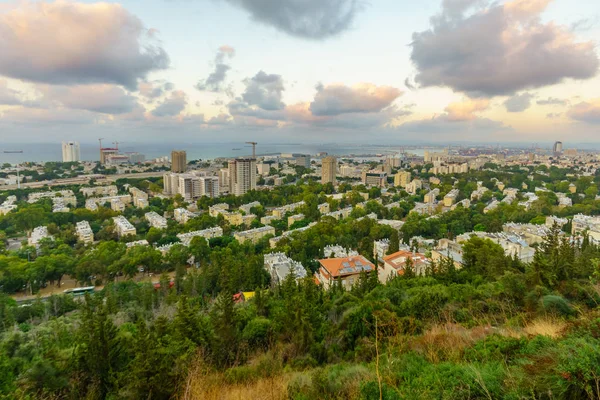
(171, 106)
(216, 79)
(8, 96)
(104, 99)
(518, 103)
(363, 98)
(465, 110)
(552, 101)
(588, 112)
(498, 49)
(75, 43)
(264, 91)
(553, 115)
(409, 84)
(154, 89)
(308, 19)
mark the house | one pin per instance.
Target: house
(347, 270)
(395, 264)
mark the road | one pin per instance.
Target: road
(83, 180)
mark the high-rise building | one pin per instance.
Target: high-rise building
(178, 161)
(242, 176)
(558, 148)
(328, 170)
(70, 152)
(402, 179)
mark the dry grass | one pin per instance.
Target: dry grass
(205, 384)
(214, 388)
(553, 328)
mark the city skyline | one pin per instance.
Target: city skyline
(520, 71)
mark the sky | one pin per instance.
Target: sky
(301, 71)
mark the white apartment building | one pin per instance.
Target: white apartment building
(247, 207)
(280, 267)
(254, 235)
(39, 233)
(140, 198)
(582, 223)
(210, 233)
(71, 152)
(103, 191)
(8, 205)
(155, 220)
(123, 226)
(183, 215)
(67, 195)
(84, 232)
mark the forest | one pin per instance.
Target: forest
(496, 328)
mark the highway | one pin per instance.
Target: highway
(82, 180)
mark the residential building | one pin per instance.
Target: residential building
(8, 205)
(465, 203)
(182, 215)
(346, 270)
(224, 180)
(210, 233)
(178, 161)
(254, 235)
(583, 223)
(380, 248)
(242, 176)
(117, 205)
(266, 220)
(281, 211)
(123, 226)
(280, 267)
(402, 179)
(414, 186)
(39, 233)
(71, 152)
(171, 183)
(395, 264)
(140, 198)
(479, 192)
(155, 220)
(431, 196)
(337, 251)
(110, 190)
(84, 232)
(246, 208)
(295, 218)
(329, 170)
(513, 245)
(142, 242)
(450, 198)
(324, 208)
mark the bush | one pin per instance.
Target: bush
(556, 305)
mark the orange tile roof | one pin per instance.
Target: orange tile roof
(398, 259)
(346, 266)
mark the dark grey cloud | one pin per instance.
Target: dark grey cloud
(309, 19)
(155, 89)
(363, 98)
(264, 91)
(587, 111)
(499, 49)
(216, 80)
(518, 103)
(409, 84)
(552, 101)
(76, 43)
(172, 105)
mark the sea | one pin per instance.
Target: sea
(44, 152)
